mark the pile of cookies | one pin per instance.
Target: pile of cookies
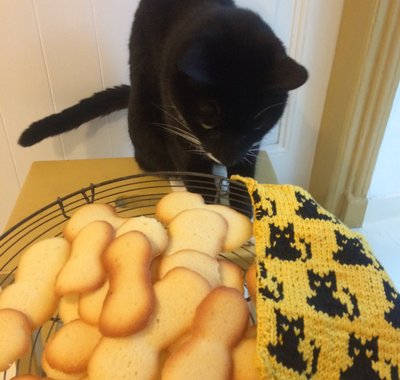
(139, 298)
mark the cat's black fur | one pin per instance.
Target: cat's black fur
(208, 81)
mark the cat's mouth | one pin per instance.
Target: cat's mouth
(222, 161)
(226, 159)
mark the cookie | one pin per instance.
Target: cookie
(59, 375)
(231, 275)
(84, 269)
(90, 304)
(251, 281)
(89, 213)
(240, 228)
(197, 229)
(219, 324)
(71, 346)
(36, 300)
(244, 360)
(138, 355)
(172, 204)
(32, 293)
(15, 331)
(68, 308)
(196, 261)
(30, 377)
(152, 228)
(43, 260)
(130, 298)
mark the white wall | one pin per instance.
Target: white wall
(384, 192)
(55, 52)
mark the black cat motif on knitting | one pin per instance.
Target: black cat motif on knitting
(309, 209)
(325, 298)
(393, 315)
(262, 212)
(269, 210)
(256, 196)
(290, 333)
(351, 251)
(270, 287)
(285, 246)
(363, 355)
(394, 370)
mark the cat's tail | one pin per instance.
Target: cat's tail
(99, 104)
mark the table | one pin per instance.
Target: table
(48, 180)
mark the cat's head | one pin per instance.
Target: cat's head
(322, 282)
(348, 243)
(293, 328)
(369, 349)
(277, 234)
(230, 81)
(390, 292)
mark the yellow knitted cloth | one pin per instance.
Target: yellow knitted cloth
(325, 307)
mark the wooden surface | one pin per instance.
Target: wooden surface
(48, 180)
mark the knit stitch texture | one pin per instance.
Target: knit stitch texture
(326, 309)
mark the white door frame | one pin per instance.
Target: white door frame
(363, 83)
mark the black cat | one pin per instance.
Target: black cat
(363, 356)
(324, 299)
(268, 209)
(394, 370)
(270, 287)
(290, 333)
(393, 315)
(283, 244)
(309, 209)
(208, 81)
(351, 251)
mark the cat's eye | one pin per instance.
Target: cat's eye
(209, 113)
(206, 126)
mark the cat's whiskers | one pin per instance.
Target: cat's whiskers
(178, 117)
(199, 151)
(180, 133)
(268, 108)
(251, 154)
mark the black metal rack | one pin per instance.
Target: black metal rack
(131, 196)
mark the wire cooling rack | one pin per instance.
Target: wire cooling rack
(131, 196)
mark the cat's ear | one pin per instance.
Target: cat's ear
(287, 75)
(193, 64)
